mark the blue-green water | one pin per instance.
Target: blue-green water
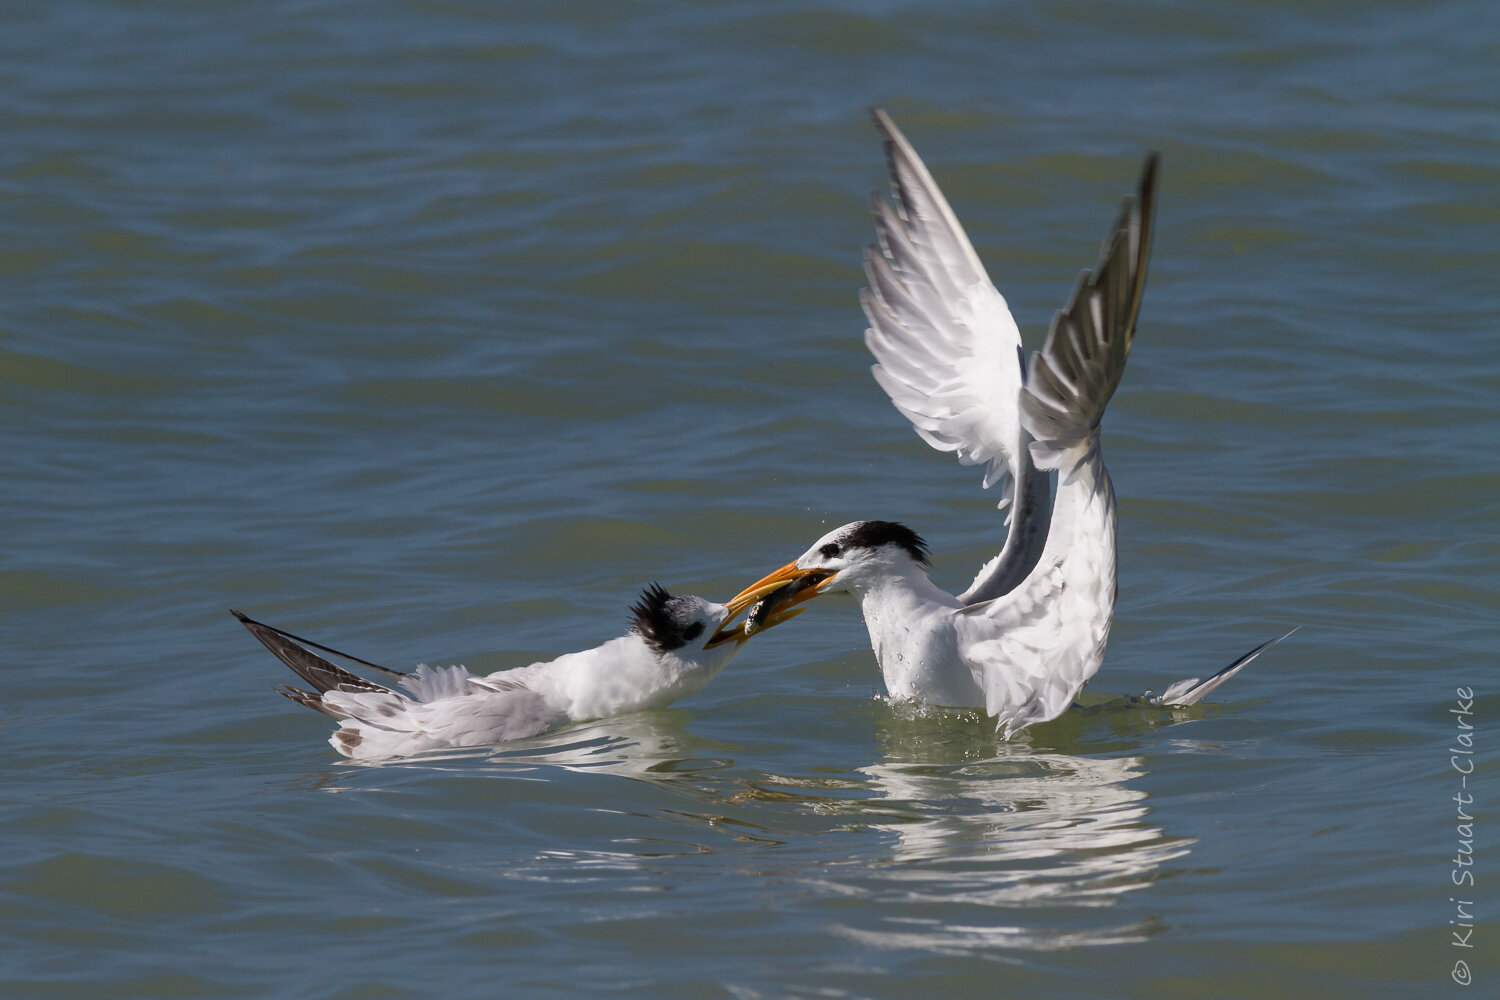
(436, 330)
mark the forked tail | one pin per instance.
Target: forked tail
(1192, 690)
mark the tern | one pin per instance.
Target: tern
(1030, 630)
(676, 645)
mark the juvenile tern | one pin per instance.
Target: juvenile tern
(1030, 630)
(674, 647)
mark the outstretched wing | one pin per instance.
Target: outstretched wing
(1034, 650)
(1076, 372)
(949, 353)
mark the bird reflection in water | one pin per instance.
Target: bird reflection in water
(958, 840)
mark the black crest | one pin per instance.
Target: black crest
(651, 618)
(874, 534)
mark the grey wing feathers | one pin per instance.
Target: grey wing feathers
(309, 699)
(252, 624)
(1074, 375)
(315, 670)
(948, 350)
(1029, 522)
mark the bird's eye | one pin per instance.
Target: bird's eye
(829, 551)
(693, 631)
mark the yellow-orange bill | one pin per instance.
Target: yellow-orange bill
(783, 610)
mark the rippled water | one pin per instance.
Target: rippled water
(436, 330)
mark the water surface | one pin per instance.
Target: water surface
(436, 330)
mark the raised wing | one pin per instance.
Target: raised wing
(1076, 372)
(1034, 649)
(948, 351)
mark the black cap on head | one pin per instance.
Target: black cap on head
(874, 534)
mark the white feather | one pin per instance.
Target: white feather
(1029, 633)
(948, 351)
(448, 707)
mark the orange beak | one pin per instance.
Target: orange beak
(805, 584)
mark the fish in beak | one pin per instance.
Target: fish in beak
(772, 600)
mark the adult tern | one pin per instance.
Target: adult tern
(1030, 630)
(674, 647)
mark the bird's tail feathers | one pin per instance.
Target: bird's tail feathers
(1192, 690)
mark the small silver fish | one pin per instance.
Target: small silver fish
(761, 609)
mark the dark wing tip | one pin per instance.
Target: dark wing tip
(308, 699)
(1146, 206)
(1146, 197)
(1147, 185)
(261, 631)
(312, 668)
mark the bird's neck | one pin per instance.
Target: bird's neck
(902, 586)
(908, 618)
(903, 594)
